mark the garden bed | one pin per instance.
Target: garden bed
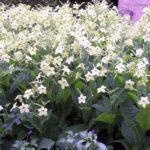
(74, 79)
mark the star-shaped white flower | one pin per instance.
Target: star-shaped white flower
(102, 89)
(120, 68)
(24, 108)
(89, 77)
(1, 107)
(95, 72)
(41, 89)
(144, 101)
(81, 99)
(129, 85)
(139, 52)
(28, 93)
(42, 111)
(63, 82)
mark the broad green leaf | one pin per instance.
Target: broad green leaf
(50, 128)
(123, 143)
(117, 98)
(46, 144)
(129, 128)
(132, 134)
(133, 96)
(143, 118)
(106, 118)
(79, 85)
(146, 143)
(66, 94)
(128, 111)
(120, 79)
(103, 106)
(64, 105)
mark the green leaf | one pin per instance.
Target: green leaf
(129, 111)
(79, 85)
(132, 134)
(50, 127)
(130, 129)
(146, 143)
(133, 96)
(123, 143)
(46, 144)
(103, 106)
(64, 105)
(143, 118)
(35, 122)
(120, 79)
(66, 94)
(106, 118)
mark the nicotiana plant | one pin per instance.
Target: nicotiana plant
(75, 71)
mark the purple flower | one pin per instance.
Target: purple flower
(93, 131)
(133, 8)
(17, 121)
(6, 126)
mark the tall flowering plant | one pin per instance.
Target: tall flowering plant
(69, 69)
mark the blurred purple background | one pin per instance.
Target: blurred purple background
(134, 8)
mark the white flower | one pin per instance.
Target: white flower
(145, 60)
(1, 107)
(59, 50)
(120, 68)
(5, 58)
(82, 66)
(140, 72)
(94, 51)
(103, 72)
(28, 93)
(44, 65)
(51, 71)
(46, 69)
(81, 99)
(24, 108)
(42, 111)
(102, 89)
(14, 25)
(89, 76)
(69, 60)
(129, 42)
(19, 97)
(139, 52)
(28, 59)
(141, 65)
(41, 89)
(63, 82)
(95, 72)
(66, 70)
(84, 42)
(21, 36)
(32, 50)
(146, 37)
(14, 106)
(57, 61)
(18, 55)
(129, 85)
(144, 101)
(38, 77)
(105, 60)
